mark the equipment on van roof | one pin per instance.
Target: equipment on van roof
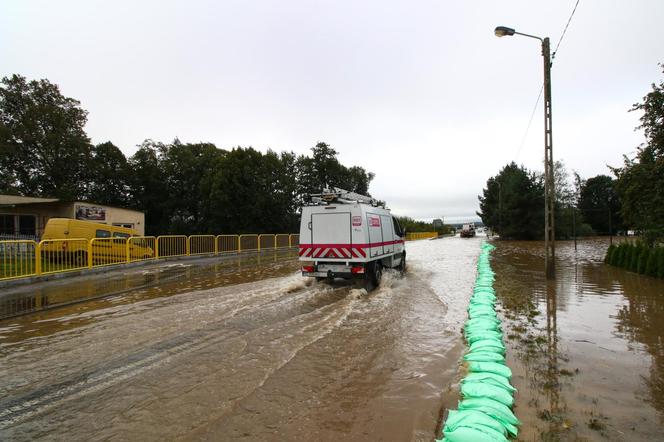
(342, 196)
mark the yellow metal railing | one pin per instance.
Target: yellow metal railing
(63, 255)
(228, 244)
(172, 245)
(202, 245)
(267, 241)
(412, 236)
(141, 248)
(24, 258)
(18, 259)
(249, 243)
(107, 251)
(281, 241)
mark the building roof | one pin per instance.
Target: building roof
(13, 200)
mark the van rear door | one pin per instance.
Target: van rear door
(388, 233)
(331, 228)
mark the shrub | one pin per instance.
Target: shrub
(651, 265)
(619, 255)
(609, 254)
(627, 259)
(634, 259)
(642, 262)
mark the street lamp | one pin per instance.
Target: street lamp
(549, 190)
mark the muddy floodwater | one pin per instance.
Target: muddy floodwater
(238, 351)
(246, 349)
(587, 350)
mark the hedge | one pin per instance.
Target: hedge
(637, 257)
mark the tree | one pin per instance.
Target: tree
(44, 150)
(641, 179)
(597, 201)
(513, 203)
(323, 169)
(252, 193)
(146, 184)
(109, 176)
(187, 173)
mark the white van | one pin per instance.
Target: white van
(347, 235)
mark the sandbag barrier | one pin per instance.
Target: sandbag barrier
(485, 410)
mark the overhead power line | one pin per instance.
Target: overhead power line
(530, 121)
(555, 51)
(539, 96)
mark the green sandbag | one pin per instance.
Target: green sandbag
(482, 324)
(493, 408)
(484, 289)
(471, 419)
(482, 300)
(484, 356)
(484, 292)
(481, 310)
(490, 367)
(482, 390)
(478, 335)
(482, 304)
(467, 434)
(472, 322)
(489, 344)
(473, 314)
(490, 378)
(481, 307)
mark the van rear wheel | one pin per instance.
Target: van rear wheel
(373, 275)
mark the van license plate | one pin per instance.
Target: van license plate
(336, 268)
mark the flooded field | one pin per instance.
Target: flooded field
(587, 350)
(251, 353)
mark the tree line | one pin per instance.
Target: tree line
(183, 188)
(512, 203)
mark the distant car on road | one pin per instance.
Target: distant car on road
(468, 230)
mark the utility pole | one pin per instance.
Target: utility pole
(549, 182)
(549, 185)
(500, 208)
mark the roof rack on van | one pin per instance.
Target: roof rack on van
(341, 196)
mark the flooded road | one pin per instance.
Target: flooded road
(253, 354)
(587, 350)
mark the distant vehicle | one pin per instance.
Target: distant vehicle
(468, 230)
(347, 235)
(77, 252)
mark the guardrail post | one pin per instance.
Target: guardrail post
(128, 254)
(188, 244)
(216, 246)
(38, 263)
(90, 253)
(239, 244)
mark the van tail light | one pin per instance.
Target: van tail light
(308, 269)
(357, 270)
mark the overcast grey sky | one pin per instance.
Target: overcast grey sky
(419, 92)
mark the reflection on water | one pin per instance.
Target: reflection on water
(89, 293)
(587, 349)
